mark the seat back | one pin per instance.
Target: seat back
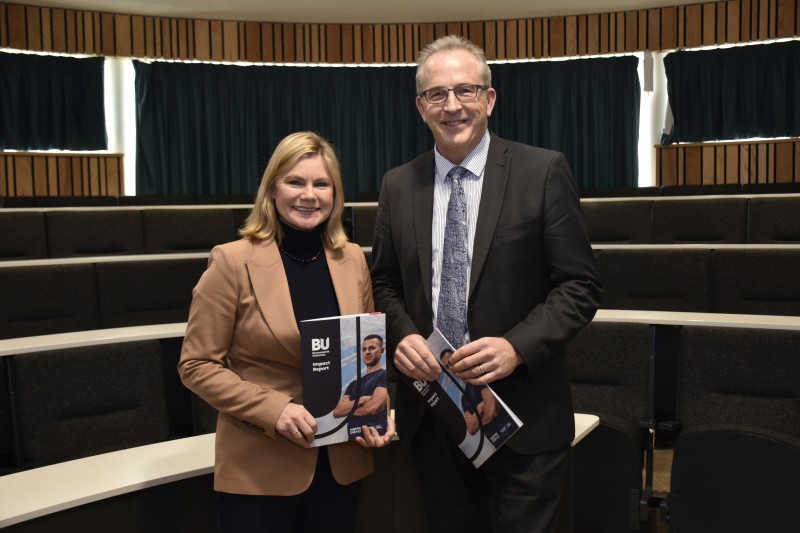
(89, 233)
(609, 368)
(758, 282)
(364, 224)
(186, 230)
(737, 458)
(135, 293)
(684, 221)
(84, 401)
(619, 222)
(774, 220)
(656, 280)
(47, 299)
(22, 235)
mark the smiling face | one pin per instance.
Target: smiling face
(457, 126)
(371, 352)
(304, 196)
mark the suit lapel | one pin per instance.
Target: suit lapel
(495, 179)
(271, 289)
(423, 214)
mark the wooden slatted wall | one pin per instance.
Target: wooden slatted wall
(34, 28)
(46, 174)
(729, 162)
(30, 27)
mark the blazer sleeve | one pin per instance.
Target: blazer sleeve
(204, 366)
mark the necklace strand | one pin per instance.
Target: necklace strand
(301, 260)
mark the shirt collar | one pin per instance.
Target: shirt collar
(475, 161)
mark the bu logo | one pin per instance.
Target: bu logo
(420, 384)
(320, 344)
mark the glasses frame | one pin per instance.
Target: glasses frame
(478, 88)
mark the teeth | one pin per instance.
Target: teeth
(306, 209)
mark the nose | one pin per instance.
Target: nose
(452, 104)
(308, 191)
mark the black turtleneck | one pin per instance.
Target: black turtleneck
(310, 282)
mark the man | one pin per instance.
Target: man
(528, 285)
(371, 407)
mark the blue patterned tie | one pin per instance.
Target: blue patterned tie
(451, 314)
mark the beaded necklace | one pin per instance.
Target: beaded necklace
(301, 260)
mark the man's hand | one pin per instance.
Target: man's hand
(372, 439)
(414, 359)
(485, 360)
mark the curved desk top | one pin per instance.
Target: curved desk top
(49, 489)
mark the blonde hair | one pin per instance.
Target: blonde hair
(262, 223)
(449, 43)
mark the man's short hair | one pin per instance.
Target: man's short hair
(374, 336)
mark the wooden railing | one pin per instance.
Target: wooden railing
(30, 27)
(61, 174)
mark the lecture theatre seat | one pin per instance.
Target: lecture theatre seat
(78, 402)
(609, 367)
(715, 221)
(774, 220)
(619, 222)
(756, 282)
(655, 280)
(135, 293)
(736, 460)
(22, 235)
(186, 230)
(363, 221)
(48, 299)
(73, 233)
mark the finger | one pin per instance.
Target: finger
(369, 437)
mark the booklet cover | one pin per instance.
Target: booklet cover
(474, 416)
(344, 375)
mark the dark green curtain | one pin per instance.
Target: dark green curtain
(586, 108)
(50, 102)
(734, 93)
(210, 129)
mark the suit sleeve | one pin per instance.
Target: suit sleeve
(387, 278)
(575, 288)
(206, 345)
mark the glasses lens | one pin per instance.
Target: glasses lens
(466, 92)
(436, 96)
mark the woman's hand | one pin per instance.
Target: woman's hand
(296, 424)
(370, 438)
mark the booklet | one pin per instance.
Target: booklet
(344, 375)
(474, 416)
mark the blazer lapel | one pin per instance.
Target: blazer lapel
(495, 178)
(344, 283)
(424, 174)
(271, 289)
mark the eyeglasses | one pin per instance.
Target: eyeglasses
(464, 93)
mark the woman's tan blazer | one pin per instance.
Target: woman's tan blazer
(241, 353)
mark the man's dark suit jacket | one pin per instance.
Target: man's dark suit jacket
(533, 279)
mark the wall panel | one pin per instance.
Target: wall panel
(49, 174)
(773, 161)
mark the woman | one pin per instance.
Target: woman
(241, 352)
